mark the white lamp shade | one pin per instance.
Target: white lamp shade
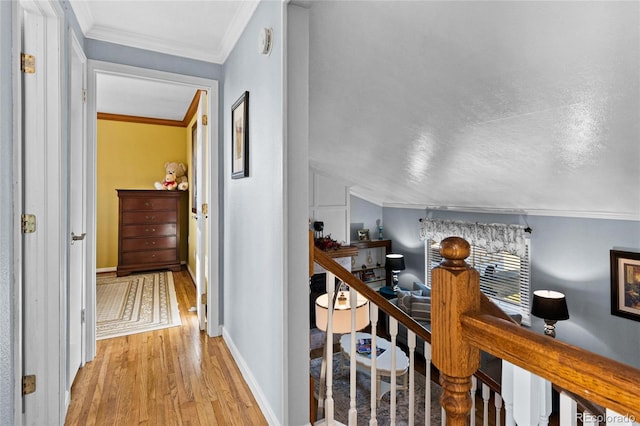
(342, 314)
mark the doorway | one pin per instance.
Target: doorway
(207, 276)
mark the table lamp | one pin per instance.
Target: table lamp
(551, 306)
(395, 264)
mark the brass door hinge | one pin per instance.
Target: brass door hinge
(28, 223)
(203, 299)
(28, 384)
(27, 63)
(205, 120)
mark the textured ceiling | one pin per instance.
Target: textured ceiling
(517, 106)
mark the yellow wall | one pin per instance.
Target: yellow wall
(132, 156)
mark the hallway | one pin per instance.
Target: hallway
(172, 376)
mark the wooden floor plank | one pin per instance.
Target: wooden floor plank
(175, 376)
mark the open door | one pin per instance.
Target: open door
(77, 209)
(202, 208)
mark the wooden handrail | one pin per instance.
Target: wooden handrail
(328, 263)
(456, 307)
(599, 379)
(324, 260)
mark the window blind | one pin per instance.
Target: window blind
(504, 276)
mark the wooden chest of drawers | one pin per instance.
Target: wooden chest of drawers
(148, 230)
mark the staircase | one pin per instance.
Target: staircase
(464, 322)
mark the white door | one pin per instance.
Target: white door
(201, 189)
(77, 210)
(44, 243)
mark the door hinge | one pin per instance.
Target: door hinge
(27, 63)
(82, 316)
(203, 299)
(205, 208)
(84, 96)
(28, 223)
(205, 119)
(28, 384)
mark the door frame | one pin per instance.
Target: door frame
(211, 86)
(40, 258)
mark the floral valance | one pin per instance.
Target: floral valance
(493, 237)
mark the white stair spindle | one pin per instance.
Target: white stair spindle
(507, 392)
(617, 419)
(373, 316)
(545, 401)
(568, 410)
(472, 392)
(589, 419)
(427, 384)
(353, 411)
(443, 416)
(486, 394)
(498, 403)
(329, 415)
(393, 331)
(411, 342)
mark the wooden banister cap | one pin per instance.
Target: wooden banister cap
(454, 251)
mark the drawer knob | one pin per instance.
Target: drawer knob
(150, 217)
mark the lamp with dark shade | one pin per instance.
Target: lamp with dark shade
(551, 306)
(395, 264)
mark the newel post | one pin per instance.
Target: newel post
(455, 290)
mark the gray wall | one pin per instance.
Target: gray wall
(254, 281)
(6, 215)
(570, 255)
(365, 215)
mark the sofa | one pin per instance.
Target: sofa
(416, 302)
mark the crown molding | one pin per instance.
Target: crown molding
(238, 23)
(526, 212)
(83, 15)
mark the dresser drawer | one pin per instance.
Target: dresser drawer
(149, 256)
(148, 203)
(133, 244)
(130, 217)
(152, 230)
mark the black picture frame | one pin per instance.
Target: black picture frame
(240, 137)
(625, 284)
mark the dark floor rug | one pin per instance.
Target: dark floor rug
(363, 399)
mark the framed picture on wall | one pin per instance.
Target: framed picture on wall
(625, 284)
(363, 234)
(240, 137)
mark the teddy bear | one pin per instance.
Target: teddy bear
(174, 177)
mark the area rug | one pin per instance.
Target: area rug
(341, 397)
(135, 303)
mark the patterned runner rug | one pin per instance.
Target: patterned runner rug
(135, 304)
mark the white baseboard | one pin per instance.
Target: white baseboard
(256, 390)
(109, 269)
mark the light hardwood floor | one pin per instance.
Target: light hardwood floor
(175, 376)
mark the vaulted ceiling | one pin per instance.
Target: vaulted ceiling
(514, 106)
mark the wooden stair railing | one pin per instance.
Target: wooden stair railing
(456, 308)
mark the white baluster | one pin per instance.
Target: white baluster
(472, 392)
(393, 331)
(544, 401)
(614, 418)
(486, 394)
(568, 410)
(353, 411)
(373, 316)
(331, 279)
(507, 392)
(411, 341)
(589, 419)
(443, 416)
(427, 384)
(498, 403)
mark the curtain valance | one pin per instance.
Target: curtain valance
(493, 237)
